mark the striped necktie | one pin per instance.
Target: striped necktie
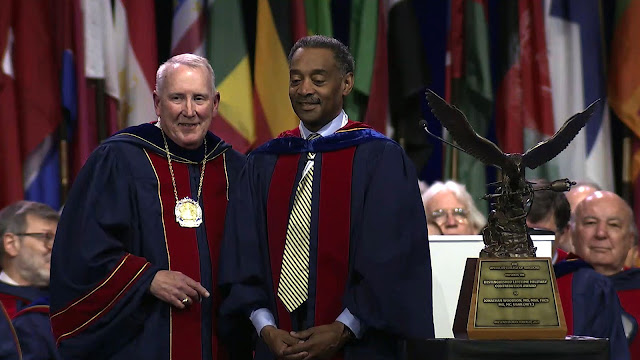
(293, 289)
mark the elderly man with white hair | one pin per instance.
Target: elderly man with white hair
(451, 207)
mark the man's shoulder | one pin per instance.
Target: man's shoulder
(627, 280)
(143, 135)
(28, 293)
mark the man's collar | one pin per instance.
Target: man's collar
(5, 278)
(329, 129)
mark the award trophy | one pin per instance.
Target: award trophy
(508, 293)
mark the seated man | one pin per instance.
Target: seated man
(550, 210)
(451, 207)
(603, 232)
(27, 229)
(577, 193)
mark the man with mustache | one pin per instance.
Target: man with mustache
(28, 229)
(134, 268)
(326, 249)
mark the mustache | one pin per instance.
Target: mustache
(308, 100)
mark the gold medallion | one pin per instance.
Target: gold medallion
(188, 213)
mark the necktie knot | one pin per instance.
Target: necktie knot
(313, 136)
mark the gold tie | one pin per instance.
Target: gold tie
(293, 288)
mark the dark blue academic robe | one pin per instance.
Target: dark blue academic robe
(9, 346)
(590, 305)
(368, 225)
(627, 285)
(33, 328)
(118, 230)
(15, 298)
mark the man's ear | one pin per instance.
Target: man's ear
(11, 244)
(156, 102)
(347, 84)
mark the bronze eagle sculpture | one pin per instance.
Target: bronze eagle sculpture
(505, 234)
(512, 165)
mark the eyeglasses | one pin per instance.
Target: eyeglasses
(44, 237)
(458, 214)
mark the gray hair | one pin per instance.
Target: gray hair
(190, 60)
(13, 218)
(476, 219)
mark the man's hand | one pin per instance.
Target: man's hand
(278, 341)
(320, 342)
(176, 288)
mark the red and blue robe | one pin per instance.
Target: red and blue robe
(118, 230)
(15, 298)
(590, 305)
(369, 250)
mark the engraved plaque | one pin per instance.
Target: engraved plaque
(515, 299)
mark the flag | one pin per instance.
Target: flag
(318, 16)
(227, 52)
(377, 111)
(298, 20)
(575, 48)
(469, 88)
(624, 82)
(362, 43)
(136, 56)
(524, 113)
(408, 78)
(188, 27)
(273, 110)
(10, 160)
(37, 84)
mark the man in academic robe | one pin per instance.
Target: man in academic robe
(27, 231)
(590, 305)
(326, 249)
(135, 263)
(603, 231)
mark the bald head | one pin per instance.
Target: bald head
(603, 231)
(579, 193)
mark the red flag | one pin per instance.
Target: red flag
(298, 20)
(378, 105)
(524, 99)
(10, 161)
(36, 73)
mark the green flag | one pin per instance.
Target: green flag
(318, 13)
(362, 43)
(471, 91)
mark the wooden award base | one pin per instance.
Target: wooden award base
(509, 298)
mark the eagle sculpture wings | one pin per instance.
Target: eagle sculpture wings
(486, 151)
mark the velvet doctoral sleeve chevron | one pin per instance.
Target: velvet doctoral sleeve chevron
(98, 287)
